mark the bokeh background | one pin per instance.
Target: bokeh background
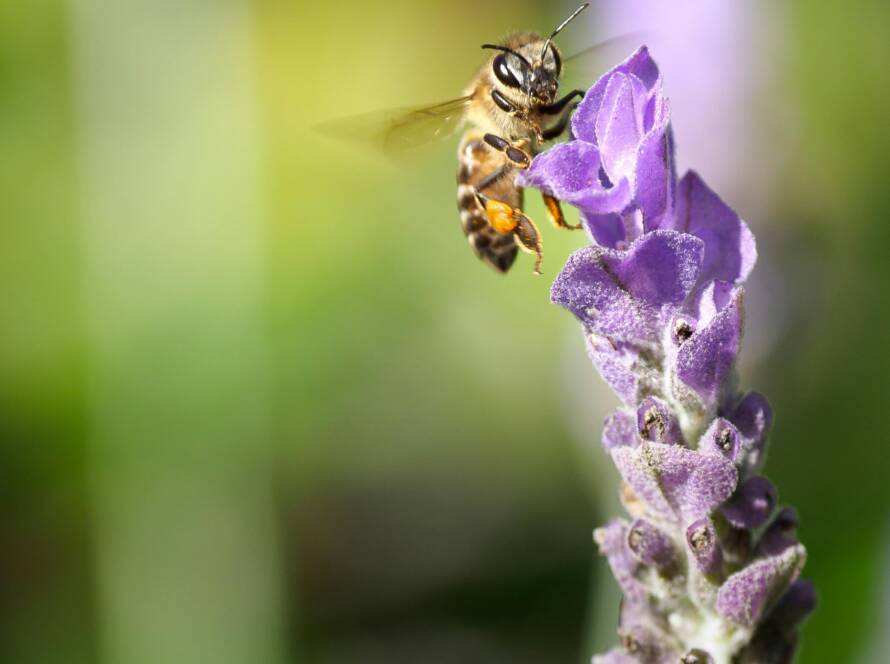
(258, 401)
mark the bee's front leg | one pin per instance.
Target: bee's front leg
(553, 132)
(560, 104)
(505, 219)
(517, 156)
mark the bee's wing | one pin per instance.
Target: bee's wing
(400, 131)
(579, 66)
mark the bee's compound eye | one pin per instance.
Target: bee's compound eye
(557, 61)
(503, 72)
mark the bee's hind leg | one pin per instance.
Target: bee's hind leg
(517, 156)
(528, 237)
(505, 219)
(554, 211)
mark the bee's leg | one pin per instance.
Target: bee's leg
(505, 219)
(554, 211)
(560, 126)
(557, 106)
(528, 237)
(517, 156)
(494, 177)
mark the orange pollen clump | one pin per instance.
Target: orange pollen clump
(500, 216)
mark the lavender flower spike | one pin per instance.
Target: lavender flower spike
(708, 564)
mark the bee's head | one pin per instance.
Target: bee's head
(521, 69)
(535, 72)
(542, 79)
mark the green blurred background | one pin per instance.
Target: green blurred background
(259, 402)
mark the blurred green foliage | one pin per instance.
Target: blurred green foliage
(369, 447)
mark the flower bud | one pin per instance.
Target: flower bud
(701, 538)
(612, 542)
(780, 534)
(656, 422)
(752, 504)
(650, 545)
(696, 656)
(753, 417)
(619, 430)
(744, 595)
(721, 437)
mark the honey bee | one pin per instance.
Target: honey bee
(510, 109)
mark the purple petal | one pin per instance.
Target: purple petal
(627, 117)
(704, 362)
(643, 481)
(676, 482)
(619, 125)
(752, 504)
(621, 159)
(656, 422)
(710, 300)
(623, 295)
(746, 594)
(572, 173)
(564, 170)
(702, 541)
(640, 64)
(599, 200)
(730, 251)
(619, 430)
(606, 230)
(659, 268)
(624, 367)
(695, 483)
(650, 545)
(595, 295)
(654, 177)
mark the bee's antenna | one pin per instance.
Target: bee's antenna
(498, 47)
(560, 27)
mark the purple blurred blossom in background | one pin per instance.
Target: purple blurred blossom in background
(708, 567)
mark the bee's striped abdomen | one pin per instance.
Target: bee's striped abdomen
(476, 162)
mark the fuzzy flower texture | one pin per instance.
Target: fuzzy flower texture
(707, 561)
